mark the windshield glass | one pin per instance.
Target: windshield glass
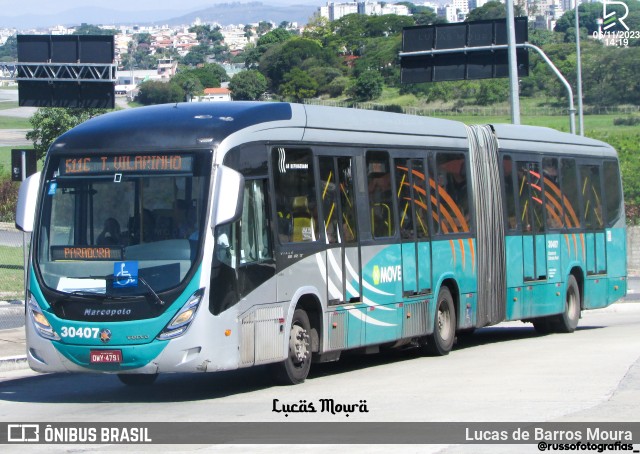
(121, 224)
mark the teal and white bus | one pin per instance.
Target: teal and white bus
(215, 236)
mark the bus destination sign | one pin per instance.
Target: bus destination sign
(86, 253)
(85, 165)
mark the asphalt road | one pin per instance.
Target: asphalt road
(502, 373)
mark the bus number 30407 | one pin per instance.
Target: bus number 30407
(72, 331)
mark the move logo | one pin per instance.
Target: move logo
(386, 274)
(610, 18)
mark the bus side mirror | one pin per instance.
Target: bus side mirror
(229, 193)
(27, 198)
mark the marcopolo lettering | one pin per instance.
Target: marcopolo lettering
(106, 312)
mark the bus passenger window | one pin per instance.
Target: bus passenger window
(294, 184)
(255, 245)
(349, 226)
(613, 191)
(380, 194)
(328, 187)
(510, 201)
(569, 186)
(405, 209)
(530, 197)
(420, 195)
(552, 194)
(453, 193)
(591, 197)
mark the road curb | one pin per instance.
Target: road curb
(13, 363)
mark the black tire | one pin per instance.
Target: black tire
(440, 342)
(568, 320)
(295, 368)
(542, 326)
(138, 379)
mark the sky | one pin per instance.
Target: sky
(20, 7)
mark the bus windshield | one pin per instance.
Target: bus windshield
(121, 225)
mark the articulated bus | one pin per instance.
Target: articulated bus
(215, 236)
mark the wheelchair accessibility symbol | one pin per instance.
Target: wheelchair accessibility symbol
(125, 274)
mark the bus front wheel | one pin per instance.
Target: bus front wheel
(295, 368)
(440, 342)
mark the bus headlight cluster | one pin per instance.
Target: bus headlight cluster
(182, 320)
(40, 322)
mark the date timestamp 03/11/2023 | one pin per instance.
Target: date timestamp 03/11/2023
(617, 38)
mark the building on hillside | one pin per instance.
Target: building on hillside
(334, 11)
(167, 68)
(449, 12)
(234, 38)
(216, 95)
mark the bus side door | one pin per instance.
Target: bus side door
(337, 193)
(531, 213)
(595, 294)
(413, 221)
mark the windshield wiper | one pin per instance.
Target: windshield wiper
(89, 294)
(156, 299)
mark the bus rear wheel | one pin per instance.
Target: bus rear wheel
(440, 342)
(295, 368)
(568, 320)
(137, 379)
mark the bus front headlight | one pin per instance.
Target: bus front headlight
(40, 322)
(182, 320)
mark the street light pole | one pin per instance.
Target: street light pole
(579, 73)
(513, 65)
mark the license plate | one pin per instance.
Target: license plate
(105, 356)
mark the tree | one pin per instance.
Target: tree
(386, 25)
(298, 85)
(9, 52)
(278, 35)
(49, 123)
(248, 31)
(155, 92)
(337, 86)
(350, 33)
(381, 54)
(492, 92)
(197, 55)
(248, 85)
(493, 10)
(206, 35)
(210, 75)
(263, 27)
(368, 86)
(88, 29)
(281, 58)
(428, 17)
(589, 15)
(620, 84)
(318, 29)
(324, 75)
(189, 83)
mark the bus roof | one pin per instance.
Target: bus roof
(538, 138)
(167, 126)
(197, 125)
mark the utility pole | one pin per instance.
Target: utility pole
(514, 93)
(579, 73)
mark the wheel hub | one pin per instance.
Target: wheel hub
(444, 323)
(298, 344)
